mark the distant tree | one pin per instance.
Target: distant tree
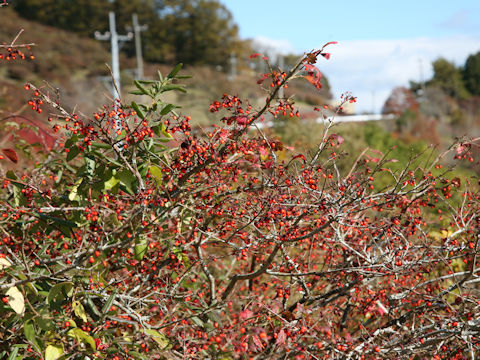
(400, 99)
(201, 31)
(471, 74)
(81, 16)
(449, 78)
(188, 31)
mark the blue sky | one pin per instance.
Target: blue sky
(382, 44)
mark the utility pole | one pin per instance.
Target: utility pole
(137, 29)
(422, 80)
(373, 101)
(114, 38)
(233, 67)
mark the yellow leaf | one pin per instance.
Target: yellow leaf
(82, 337)
(16, 300)
(156, 173)
(79, 310)
(73, 194)
(4, 263)
(160, 338)
(53, 352)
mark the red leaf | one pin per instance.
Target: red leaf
(246, 314)
(268, 164)
(314, 81)
(281, 337)
(257, 342)
(314, 75)
(299, 156)
(253, 56)
(338, 138)
(330, 43)
(11, 154)
(242, 120)
(263, 151)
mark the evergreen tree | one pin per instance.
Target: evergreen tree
(471, 74)
(449, 78)
(188, 31)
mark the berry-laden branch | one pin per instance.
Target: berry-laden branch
(13, 51)
(142, 237)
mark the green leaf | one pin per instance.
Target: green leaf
(53, 352)
(137, 356)
(126, 178)
(79, 310)
(156, 173)
(159, 338)
(108, 304)
(174, 87)
(136, 92)
(93, 306)
(138, 110)
(81, 336)
(110, 160)
(110, 184)
(29, 331)
(11, 175)
(101, 145)
(13, 354)
(196, 320)
(140, 250)
(59, 221)
(175, 71)
(19, 198)
(64, 289)
(72, 154)
(167, 108)
(141, 88)
(44, 323)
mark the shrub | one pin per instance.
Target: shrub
(138, 237)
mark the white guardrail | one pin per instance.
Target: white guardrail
(357, 118)
(341, 118)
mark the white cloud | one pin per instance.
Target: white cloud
(273, 47)
(365, 67)
(458, 20)
(370, 69)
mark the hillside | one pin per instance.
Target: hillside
(75, 66)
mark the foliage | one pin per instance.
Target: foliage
(449, 78)
(190, 31)
(83, 16)
(440, 107)
(141, 238)
(471, 74)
